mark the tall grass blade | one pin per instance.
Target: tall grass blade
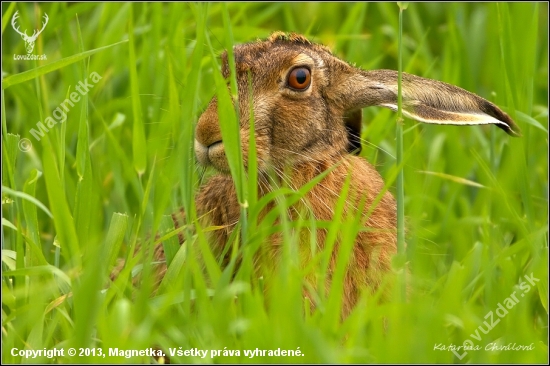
(56, 65)
(400, 190)
(139, 145)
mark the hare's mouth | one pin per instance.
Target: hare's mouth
(212, 155)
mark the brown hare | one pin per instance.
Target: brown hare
(307, 112)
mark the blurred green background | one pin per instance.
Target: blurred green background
(476, 200)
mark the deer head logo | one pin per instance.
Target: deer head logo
(29, 41)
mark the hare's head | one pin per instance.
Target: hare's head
(307, 103)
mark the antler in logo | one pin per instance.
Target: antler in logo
(29, 41)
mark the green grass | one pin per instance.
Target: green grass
(98, 184)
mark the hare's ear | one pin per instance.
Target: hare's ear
(424, 100)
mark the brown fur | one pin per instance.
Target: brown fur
(304, 133)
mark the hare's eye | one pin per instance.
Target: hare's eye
(299, 78)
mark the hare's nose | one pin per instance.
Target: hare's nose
(208, 131)
(209, 147)
(208, 139)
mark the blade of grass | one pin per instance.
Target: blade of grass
(27, 197)
(185, 144)
(85, 191)
(115, 236)
(7, 223)
(63, 221)
(233, 144)
(56, 65)
(82, 146)
(454, 178)
(139, 145)
(171, 244)
(9, 151)
(7, 15)
(34, 254)
(399, 150)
